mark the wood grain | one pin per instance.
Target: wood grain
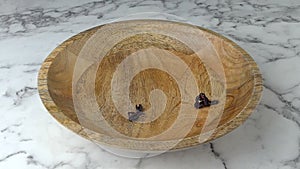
(151, 65)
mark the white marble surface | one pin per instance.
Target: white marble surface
(268, 29)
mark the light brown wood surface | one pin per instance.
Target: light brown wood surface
(91, 81)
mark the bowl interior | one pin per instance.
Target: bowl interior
(159, 71)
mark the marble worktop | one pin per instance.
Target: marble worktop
(268, 30)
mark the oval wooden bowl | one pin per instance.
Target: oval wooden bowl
(91, 81)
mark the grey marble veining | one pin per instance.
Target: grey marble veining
(267, 30)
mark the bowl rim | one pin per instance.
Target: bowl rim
(127, 144)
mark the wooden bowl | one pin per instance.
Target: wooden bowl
(91, 81)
